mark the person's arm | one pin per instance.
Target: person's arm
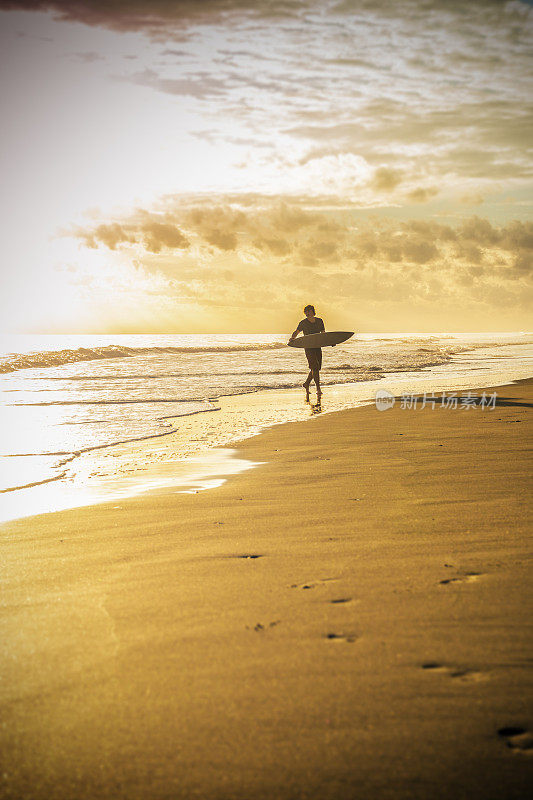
(296, 332)
(323, 326)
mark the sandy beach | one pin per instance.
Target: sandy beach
(212, 589)
(349, 619)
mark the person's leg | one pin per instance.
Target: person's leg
(309, 356)
(316, 377)
(306, 385)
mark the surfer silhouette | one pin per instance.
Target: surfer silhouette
(311, 324)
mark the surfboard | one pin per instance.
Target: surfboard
(328, 339)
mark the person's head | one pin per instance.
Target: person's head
(309, 311)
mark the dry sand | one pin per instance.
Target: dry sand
(348, 620)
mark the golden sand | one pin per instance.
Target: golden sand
(348, 620)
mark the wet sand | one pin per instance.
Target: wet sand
(351, 619)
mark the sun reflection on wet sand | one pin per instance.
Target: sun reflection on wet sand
(195, 474)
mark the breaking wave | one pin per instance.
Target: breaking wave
(56, 358)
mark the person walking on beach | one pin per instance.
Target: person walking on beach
(311, 324)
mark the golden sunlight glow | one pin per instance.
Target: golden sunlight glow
(191, 182)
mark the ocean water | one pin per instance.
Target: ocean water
(68, 403)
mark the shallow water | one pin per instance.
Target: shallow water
(173, 398)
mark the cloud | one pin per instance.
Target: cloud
(153, 16)
(131, 15)
(422, 195)
(480, 231)
(419, 251)
(111, 235)
(279, 247)
(152, 235)
(332, 124)
(224, 240)
(386, 179)
(160, 234)
(428, 104)
(471, 199)
(500, 130)
(286, 249)
(201, 86)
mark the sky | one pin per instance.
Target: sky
(212, 166)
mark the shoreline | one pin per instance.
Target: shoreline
(348, 620)
(169, 459)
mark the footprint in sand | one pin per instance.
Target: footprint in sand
(259, 627)
(245, 555)
(341, 600)
(313, 584)
(342, 637)
(468, 577)
(517, 738)
(458, 673)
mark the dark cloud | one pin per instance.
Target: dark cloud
(422, 195)
(386, 179)
(145, 14)
(279, 247)
(480, 231)
(111, 235)
(160, 234)
(468, 251)
(313, 253)
(419, 251)
(224, 240)
(282, 248)
(518, 235)
(153, 235)
(153, 16)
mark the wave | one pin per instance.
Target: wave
(128, 401)
(13, 362)
(58, 477)
(56, 358)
